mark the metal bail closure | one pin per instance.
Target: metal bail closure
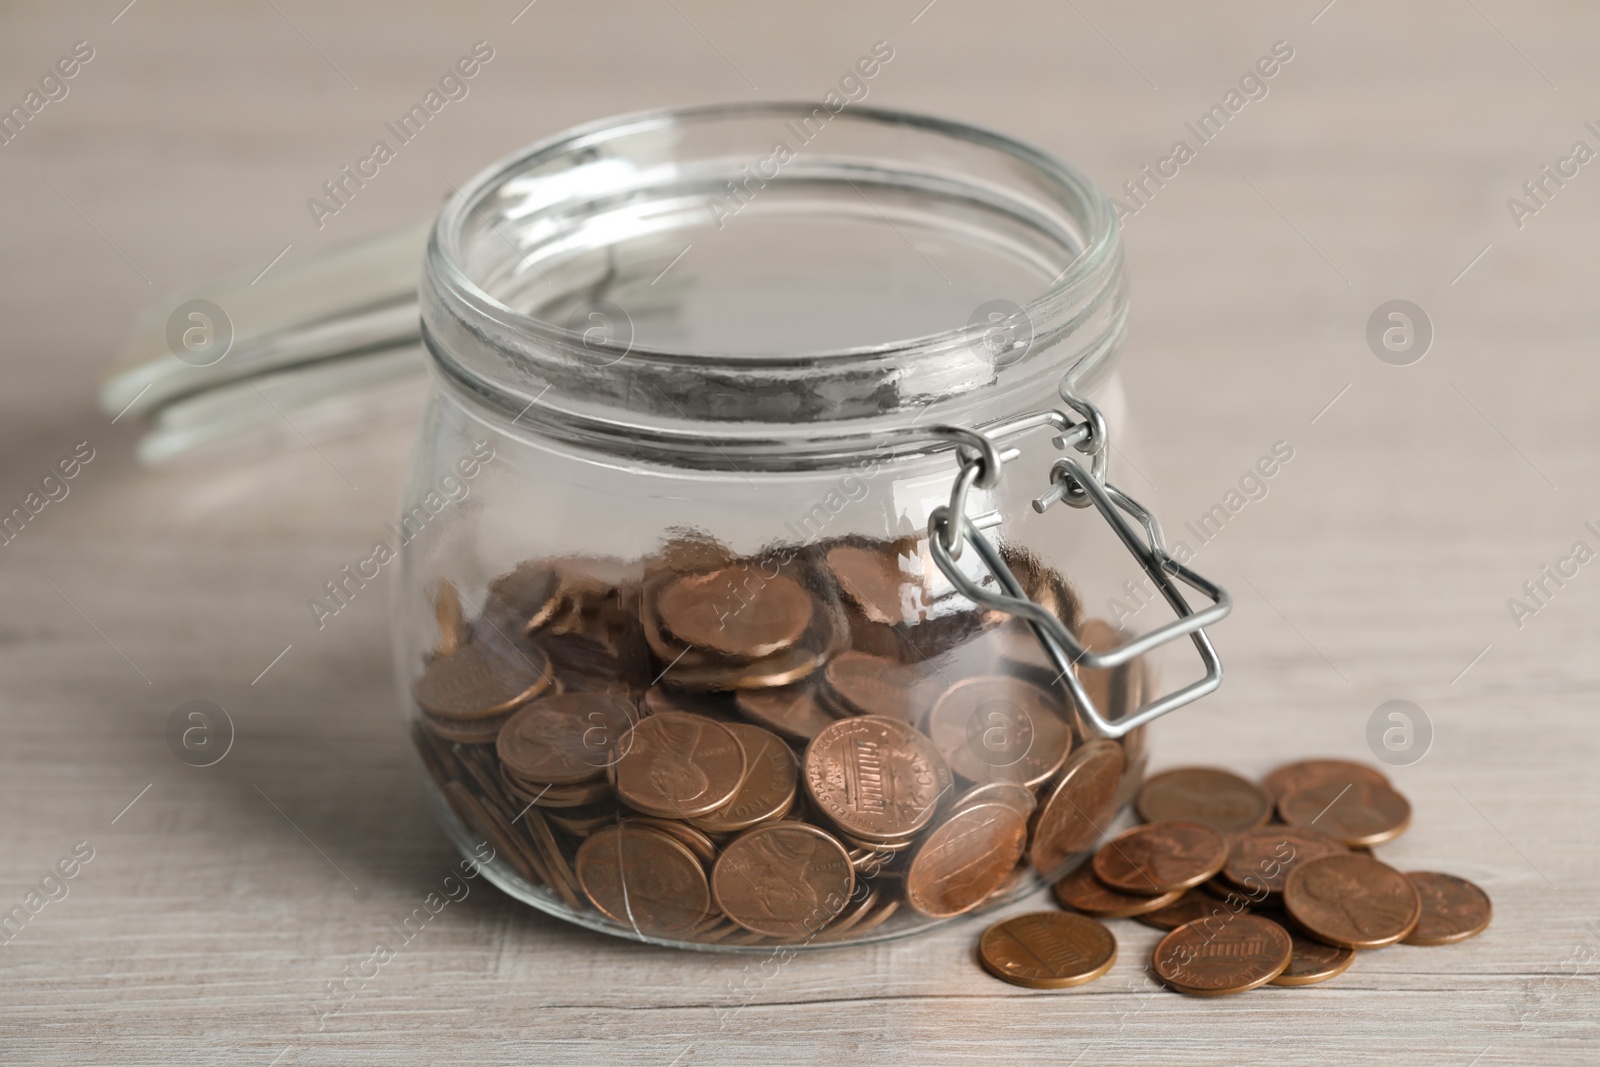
(949, 528)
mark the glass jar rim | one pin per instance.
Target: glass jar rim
(505, 359)
(444, 259)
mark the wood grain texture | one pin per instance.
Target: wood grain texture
(219, 905)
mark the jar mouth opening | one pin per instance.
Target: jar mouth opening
(708, 280)
(446, 262)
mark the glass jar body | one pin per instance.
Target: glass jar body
(551, 562)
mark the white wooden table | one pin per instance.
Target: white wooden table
(219, 903)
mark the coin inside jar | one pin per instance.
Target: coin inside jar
(1260, 860)
(1352, 901)
(1047, 950)
(1078, 808)
(1219, 799)
(871, 685)
(874, 777)
(676, 765)
(643, 878)
(737, 611)
(999, 728)
(965, 859)
(1243, 952)
(875, 584)
(790, 710)
(768, 790)
(1356, 813)
(565, 739)
(476, 682)
(1190, 905)
(1159, 857)
(786, 879)
(1453, 909)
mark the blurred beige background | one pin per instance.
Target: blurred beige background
(1377, 167)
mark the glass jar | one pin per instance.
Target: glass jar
(723, 617)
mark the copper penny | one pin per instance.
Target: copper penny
(702, 846)
(1082, 891)
(477, 682)
(1295, 776)
(786, 880)
(1078, 809)
(448, 614)
(1352, 901)
(999, 729)
(1357, 813)
(527, 598)
(768, 790)
(790, 710)
(737, 611)
(1221, 800)
(1191, 905)
(466, 731)
(1314, 962)
(1016, 796)
(676, 765)
(644, 879)
(780, 669)
(875, 777)
(872, 685)
(1453, 909)
(1047, 950)
(1209, 960)
(1159, 857)
(1104, 686)
(1261, 859)
(965, 859)
(874, 583)
(565, 739)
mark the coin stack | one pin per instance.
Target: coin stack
(1246, 901)
(799, 746)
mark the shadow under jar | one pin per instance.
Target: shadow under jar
(692, 636)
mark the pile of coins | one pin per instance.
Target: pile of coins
(799, 746)
(1246, 901)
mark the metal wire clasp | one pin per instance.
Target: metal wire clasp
(981, 459)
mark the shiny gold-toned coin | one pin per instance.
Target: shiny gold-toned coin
(1208, 960)
(1356, 813)
(871, 685)
(1160, 857)
(451, 619)
(768, 790)
(738, 611)
(1192, 905)
(1082, 891)
(479, 681)
(1047, 950)
(1453, 909)
(786, 879)
(676, 765)
(1260, 860)
(965, 859)
(565, 739)
(875, 585)
(1296, 776)
(779, 669)
(1078, 808)
(999, 729)
(1313, 962)
(1352, 901)
(1219, 799)
(789, 710)
(875, 777)
(644, 879)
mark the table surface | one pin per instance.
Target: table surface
(219, 903)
